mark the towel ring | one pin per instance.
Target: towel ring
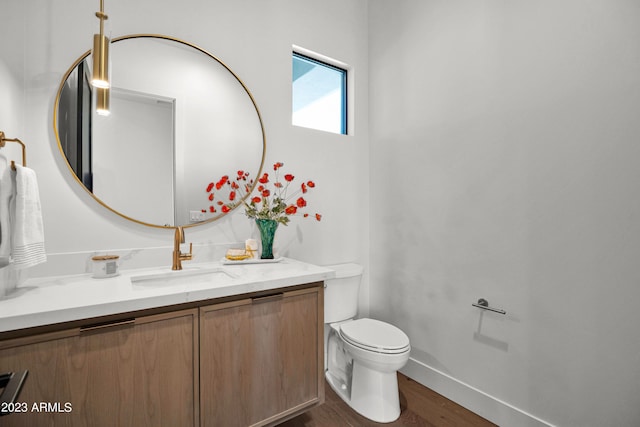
(4, 140)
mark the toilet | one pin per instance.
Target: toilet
(362, 356)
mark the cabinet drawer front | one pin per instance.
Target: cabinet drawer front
(127, 374)
(260, 358)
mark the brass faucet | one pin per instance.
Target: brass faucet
(178, 256)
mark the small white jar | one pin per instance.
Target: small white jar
(105, 266)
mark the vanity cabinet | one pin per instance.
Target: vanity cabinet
(129, 372)
(261, 358)
(254, 359)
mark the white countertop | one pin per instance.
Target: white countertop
(50, 300)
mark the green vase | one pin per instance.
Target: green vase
(267, 229)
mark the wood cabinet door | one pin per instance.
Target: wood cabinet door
(261, 359)
(137, 372)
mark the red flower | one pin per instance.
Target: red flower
(222, 182)
(273, 197)
(290, 210)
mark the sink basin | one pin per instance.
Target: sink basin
(210, 277)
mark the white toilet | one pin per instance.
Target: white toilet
(362, 356)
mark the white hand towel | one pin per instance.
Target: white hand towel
(27, 230)
(7, 197)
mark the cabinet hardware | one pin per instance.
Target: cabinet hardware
(265, 298)
(103, 326)
(12, 384)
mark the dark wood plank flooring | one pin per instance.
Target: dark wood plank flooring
(419, 406)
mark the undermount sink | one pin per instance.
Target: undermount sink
(215, 276)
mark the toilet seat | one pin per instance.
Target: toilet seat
(375, 336)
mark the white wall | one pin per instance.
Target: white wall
(124, 177)
(11, 79)
(505, 146)
(254, 38)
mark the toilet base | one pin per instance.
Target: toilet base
(374, 394)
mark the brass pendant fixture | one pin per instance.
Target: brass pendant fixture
(102, 101)
(101, 53)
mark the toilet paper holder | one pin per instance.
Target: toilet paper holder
(484, 304)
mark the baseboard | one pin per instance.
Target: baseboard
(483, 404)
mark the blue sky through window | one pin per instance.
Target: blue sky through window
(319, 95)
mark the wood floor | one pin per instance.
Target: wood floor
(419, 405)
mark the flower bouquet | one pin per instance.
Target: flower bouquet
(274, 202)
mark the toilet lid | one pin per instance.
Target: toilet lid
(375, 335)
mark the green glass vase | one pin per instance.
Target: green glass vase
(267, 229)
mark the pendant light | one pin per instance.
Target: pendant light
(101, 53)
(102, 101)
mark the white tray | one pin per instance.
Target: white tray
(251, 261)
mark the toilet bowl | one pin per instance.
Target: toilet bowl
(362, 356)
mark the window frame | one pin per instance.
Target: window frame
(344, 84)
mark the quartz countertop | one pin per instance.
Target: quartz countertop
(50, 300)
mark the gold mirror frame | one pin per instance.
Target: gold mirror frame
(101, 202)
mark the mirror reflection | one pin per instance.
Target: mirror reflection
(178, 117)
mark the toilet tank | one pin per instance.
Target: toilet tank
(341, 292)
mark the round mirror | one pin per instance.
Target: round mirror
(179, 118)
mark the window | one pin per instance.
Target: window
(319, 95)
